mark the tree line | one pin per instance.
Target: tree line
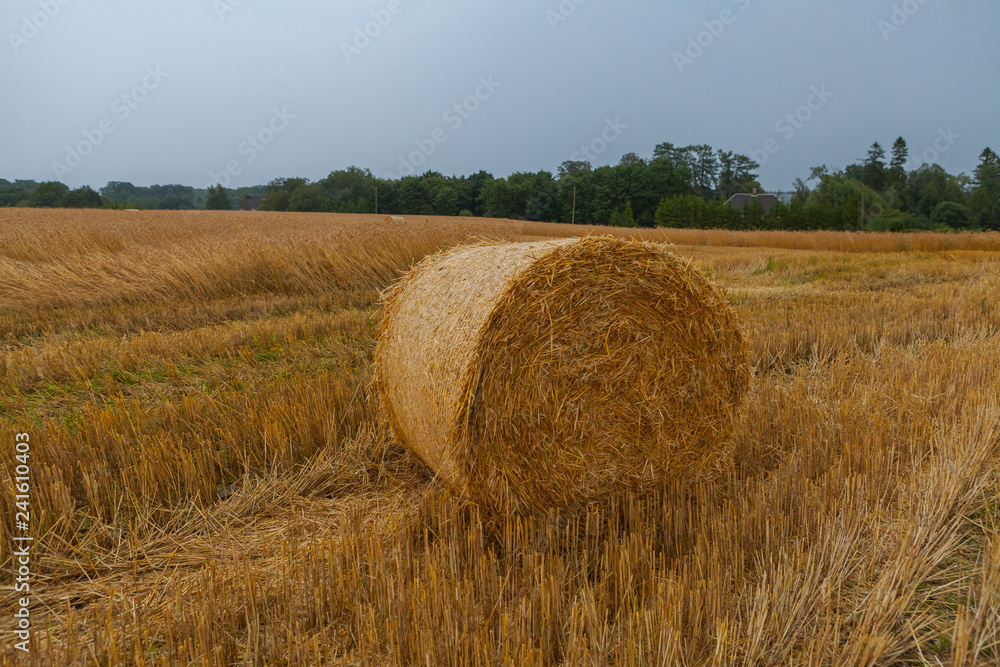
(676, 186)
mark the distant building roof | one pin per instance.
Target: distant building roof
(741, 201)
(251, 202)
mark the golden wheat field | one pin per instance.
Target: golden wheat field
(212, 481)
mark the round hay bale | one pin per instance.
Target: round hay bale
(552, 373)
(395, 219)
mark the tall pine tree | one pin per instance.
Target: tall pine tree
(988, 172)
(875, 176)
(985, 199)
(897, 164)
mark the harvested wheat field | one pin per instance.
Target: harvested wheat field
(213, 479)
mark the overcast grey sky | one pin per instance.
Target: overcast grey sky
(183, 86)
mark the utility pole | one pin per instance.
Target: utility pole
(574, 206)
(376, 201)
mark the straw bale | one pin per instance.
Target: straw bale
(395, 219)
(553, 373)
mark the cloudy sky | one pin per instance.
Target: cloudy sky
(179, 92)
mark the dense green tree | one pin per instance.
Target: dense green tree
(693, 211)
(276, 200)
(499, 199)
(174, 202)
(855, 172)
(623, 218)
(15, 193)
(572, 167)
(48, 195)
(119, 191)
(728, 185)
(625, 183)
(986, 189)
(446, 201)
(801, 191)
(630, 159)
(746, 170)
(954, 215)
(736, 174)
(307, 198)
(351, 190)
(441, 195)
(175, 197)
(988, 171)
(929, 186)
(540, 203)
(278, 193)
(582, 185)
(704, 168)
(840, 195)
(414, 194)
(388, 195)
(667, 179)
(753, 215)
(525, 196)
(172, 197)
(992, 222)
(218, 199)
(83, 197)
(289, 184)
(470, 195)
(679, 157)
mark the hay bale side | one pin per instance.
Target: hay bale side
(540, 374)
(395, 219)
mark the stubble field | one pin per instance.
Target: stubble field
(212, 482)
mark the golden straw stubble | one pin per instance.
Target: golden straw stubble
(554, 373)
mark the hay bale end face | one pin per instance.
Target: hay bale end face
(552, 373)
